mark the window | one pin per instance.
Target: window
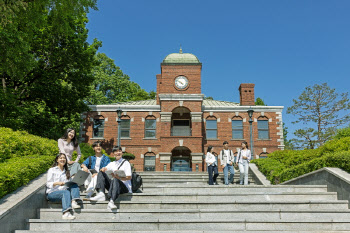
(237, 128)
(263, 128)
(150, 128)
(98, 128)
(125, 128)
(211, 128)
(150, 162)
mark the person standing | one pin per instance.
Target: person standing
(56, 191)
(96, 162)
(211, 161)
(117, 185)
(243, 159)
(67, 144)
(227, 159)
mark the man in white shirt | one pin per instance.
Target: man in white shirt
(115, 185)
(227, 159)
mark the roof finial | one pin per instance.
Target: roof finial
(180, 49)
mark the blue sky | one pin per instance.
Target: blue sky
(281, 46)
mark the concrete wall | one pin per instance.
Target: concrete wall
(23, 204)
(336, 180)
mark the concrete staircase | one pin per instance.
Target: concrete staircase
(184, 202)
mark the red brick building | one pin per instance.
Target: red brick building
(173, 132)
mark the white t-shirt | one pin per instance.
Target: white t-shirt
(113, 166)
(227, 153)
(98, 163)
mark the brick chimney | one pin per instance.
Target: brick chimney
(246, 93)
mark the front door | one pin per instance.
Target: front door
(181, 164)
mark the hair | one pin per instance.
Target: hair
(74, 140)
(98, 143)
(65, 165)
(116, 148)
(209, 148)
(225, 142)
(246, 144)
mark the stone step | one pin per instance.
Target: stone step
(180, 231)
(192, 188)
(224, 205)
(164, 214)
(219, 197)
(188, 224)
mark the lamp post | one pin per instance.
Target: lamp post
(250, 114)
(119, 113)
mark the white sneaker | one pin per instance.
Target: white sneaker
(75, 205)
(68, 216)
(88, 195)
(98, 197)
(111, 206)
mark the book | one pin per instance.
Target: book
(120, 173)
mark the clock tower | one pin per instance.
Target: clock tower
(180, 99)
(180, 74)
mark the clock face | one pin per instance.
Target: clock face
(181, 82)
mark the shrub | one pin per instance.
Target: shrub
(18, 171)
(21, 143)
(281, 166)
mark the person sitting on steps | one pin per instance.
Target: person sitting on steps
(56, 191)
(117, 185)
(67, 144)
(97, 162)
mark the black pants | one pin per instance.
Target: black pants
(114, 186)
(212, 169)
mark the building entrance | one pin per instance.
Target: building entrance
(181, 160)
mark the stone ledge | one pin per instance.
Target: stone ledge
(336, 179)
(22, 204)
(258, 177)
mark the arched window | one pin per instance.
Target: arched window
(150, 127)
(98, 127)
(237, 128)
(211, 128)
(263, 128)
(150, 162)
(125, 127)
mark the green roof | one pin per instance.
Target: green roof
(181, 58)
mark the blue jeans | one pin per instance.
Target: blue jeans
(65, 196)
(212, 169)
(232, 173)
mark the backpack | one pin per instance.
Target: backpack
(136, 180)
(224, 153)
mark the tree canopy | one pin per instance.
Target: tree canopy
(111, 85)
(259, 102)
(323, 110)
(45, 64)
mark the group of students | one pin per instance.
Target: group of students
(64, 168)
(227, 160)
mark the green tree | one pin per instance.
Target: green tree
(288, 144)
(45, 64)
(208, 98)
(111, 85)
(342, 133)
(323, 110)
(259, 102)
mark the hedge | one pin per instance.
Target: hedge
(18, 171)
(283, 165)
(21, 143)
